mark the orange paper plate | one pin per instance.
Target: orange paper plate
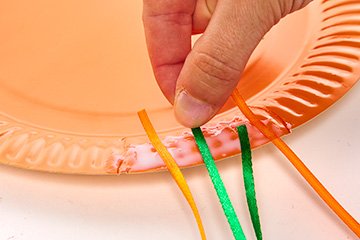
(73, 74)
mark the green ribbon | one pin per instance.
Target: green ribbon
(249, 179)
(218, 185)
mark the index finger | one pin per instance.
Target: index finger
(168, 29)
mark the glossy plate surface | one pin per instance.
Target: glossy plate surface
(73, 74)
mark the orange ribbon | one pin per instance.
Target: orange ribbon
(172, 166)
(298, 164)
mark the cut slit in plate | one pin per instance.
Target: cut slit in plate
(74, 74)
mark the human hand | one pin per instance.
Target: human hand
(198, 81)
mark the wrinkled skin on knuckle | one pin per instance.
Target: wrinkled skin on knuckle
(299, 4)
(213, 66)
(270, 12)
(289, 6)
(214, 76)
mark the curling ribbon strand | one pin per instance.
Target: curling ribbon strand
(218, 185)
(172, 166)
(298, 164)
(249, 179)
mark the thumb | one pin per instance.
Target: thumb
(214, 66)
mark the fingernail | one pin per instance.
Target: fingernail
(192, 112)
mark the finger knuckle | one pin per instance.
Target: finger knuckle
(216, 71)
(297, 4)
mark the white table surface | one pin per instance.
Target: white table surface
(36, 205)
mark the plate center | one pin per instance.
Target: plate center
(77, 55)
